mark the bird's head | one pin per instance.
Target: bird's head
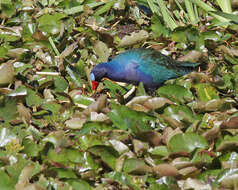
(97, 74)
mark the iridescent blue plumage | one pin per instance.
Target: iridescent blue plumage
(142, 65)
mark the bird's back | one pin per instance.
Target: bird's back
(149, 62)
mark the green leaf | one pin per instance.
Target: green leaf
(124, 118)
(159, 150)
(31, 148)
(186, 142)
(51, 23)
(134, 165)
(60, 84)
(107, 154)
(206, 92)
(32, 99)
(8, 109)
(175, 92)
(6, 182)
(79, 184)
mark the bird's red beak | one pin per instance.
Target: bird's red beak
(94, 85)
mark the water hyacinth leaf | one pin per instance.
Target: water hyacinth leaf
(202, 157)
(8, 109)
(119, 146)
(33, 99)
(206, 92)
(123, 178)
(10, 34)
(213, 105)
(87, 141)
(101, 51)
(186, 142)
(106, 153)
(165, 170)
(136, 166)
(6, 136)
(79, 184)
(63, 173)
(159, 150)
(57, 139)
(134, 38)
(78, 98)
(76, 123)
(7, 73)
(60, 84)
(51, 23)
(124, 118)
(80, 8)
(180, 113)
(52, 107)
(6, 182)
(31, 148)
(97, 106)
(119, 4)
(175, 92)
(229, 143)
(193, 184)
(228, 178)
(89, 126)
(105, 8)
(114, 88)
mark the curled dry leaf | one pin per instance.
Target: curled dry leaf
(147, 103)
(138, 100)
(156, 102)
(68, 50)
(96, 106)
(172, 122)
(193, 184)
(7, 73)
(99, 117)
(229, 180)
(188, 170)
(213, 105)
(76, 123)
(166, 170)
(181, 162)
(193, 56)
(134, 38)
(152, 137)
(230, 51)
(139, 146)
(119, 146)
(231, 123)
(24, 113)
(16, 53)
(101, 50)
(24, 177)
(212, 133)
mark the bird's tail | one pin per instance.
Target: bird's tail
(187, 67)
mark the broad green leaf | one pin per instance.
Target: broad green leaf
(6, 182)
(206, 92)
(33, 99)
(107, 154)
(8, 109)
(124, 118)
(51, 23)
(186, 142)
(175, 92)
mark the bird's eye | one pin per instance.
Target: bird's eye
(92, 77)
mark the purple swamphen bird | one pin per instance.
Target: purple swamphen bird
(141, 65)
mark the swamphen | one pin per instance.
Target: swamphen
(141, 65)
